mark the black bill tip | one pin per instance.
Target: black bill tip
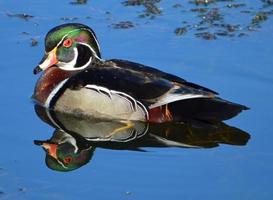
(37, 70)
(38, 142)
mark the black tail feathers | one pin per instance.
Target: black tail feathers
(205, 109)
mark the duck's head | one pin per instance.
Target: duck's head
(70, 47)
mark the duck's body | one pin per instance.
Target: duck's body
(119, 89)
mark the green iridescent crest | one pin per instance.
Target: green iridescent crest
(79, 32)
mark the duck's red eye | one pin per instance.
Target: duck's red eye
(67, 160)
(67, 43)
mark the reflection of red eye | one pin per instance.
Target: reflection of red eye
(67, 159)
(67, 43)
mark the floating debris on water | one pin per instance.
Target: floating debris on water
(212, 18)
(206, 36)
(151, 10)
(236, 5)
(123, 25)
(68, 18)
(225, 33)
(200, 10)
(202, 28)
(34, 42)
(177, 5)
(242, 35)
(259, 17)
(2, 193)
(202, 2)
(25, 33)
(267, 3)
(246, 11)
(180, 31)
(231, 28)
(79, 2)
(22, 189)
(23, 16)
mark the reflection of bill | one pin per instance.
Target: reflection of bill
(75, 138)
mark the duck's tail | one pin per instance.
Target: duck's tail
(197, 109)
(205, 109)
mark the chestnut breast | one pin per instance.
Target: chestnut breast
(47, 82)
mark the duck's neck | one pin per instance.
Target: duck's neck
(48, 81)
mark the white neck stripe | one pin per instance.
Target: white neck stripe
(54, 92)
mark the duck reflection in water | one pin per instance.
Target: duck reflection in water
(75, 137)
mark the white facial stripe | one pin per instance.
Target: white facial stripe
(61, 41)
(93, 37)
(93, 51)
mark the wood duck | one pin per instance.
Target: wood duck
(77, 80)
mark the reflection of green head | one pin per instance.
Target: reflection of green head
(69, 160)
(65, 152)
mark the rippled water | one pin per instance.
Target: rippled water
(233, 56)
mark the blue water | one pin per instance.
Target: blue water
(239, 68)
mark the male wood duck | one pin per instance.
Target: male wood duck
(77, 80)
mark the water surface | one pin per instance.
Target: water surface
(238, 66)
